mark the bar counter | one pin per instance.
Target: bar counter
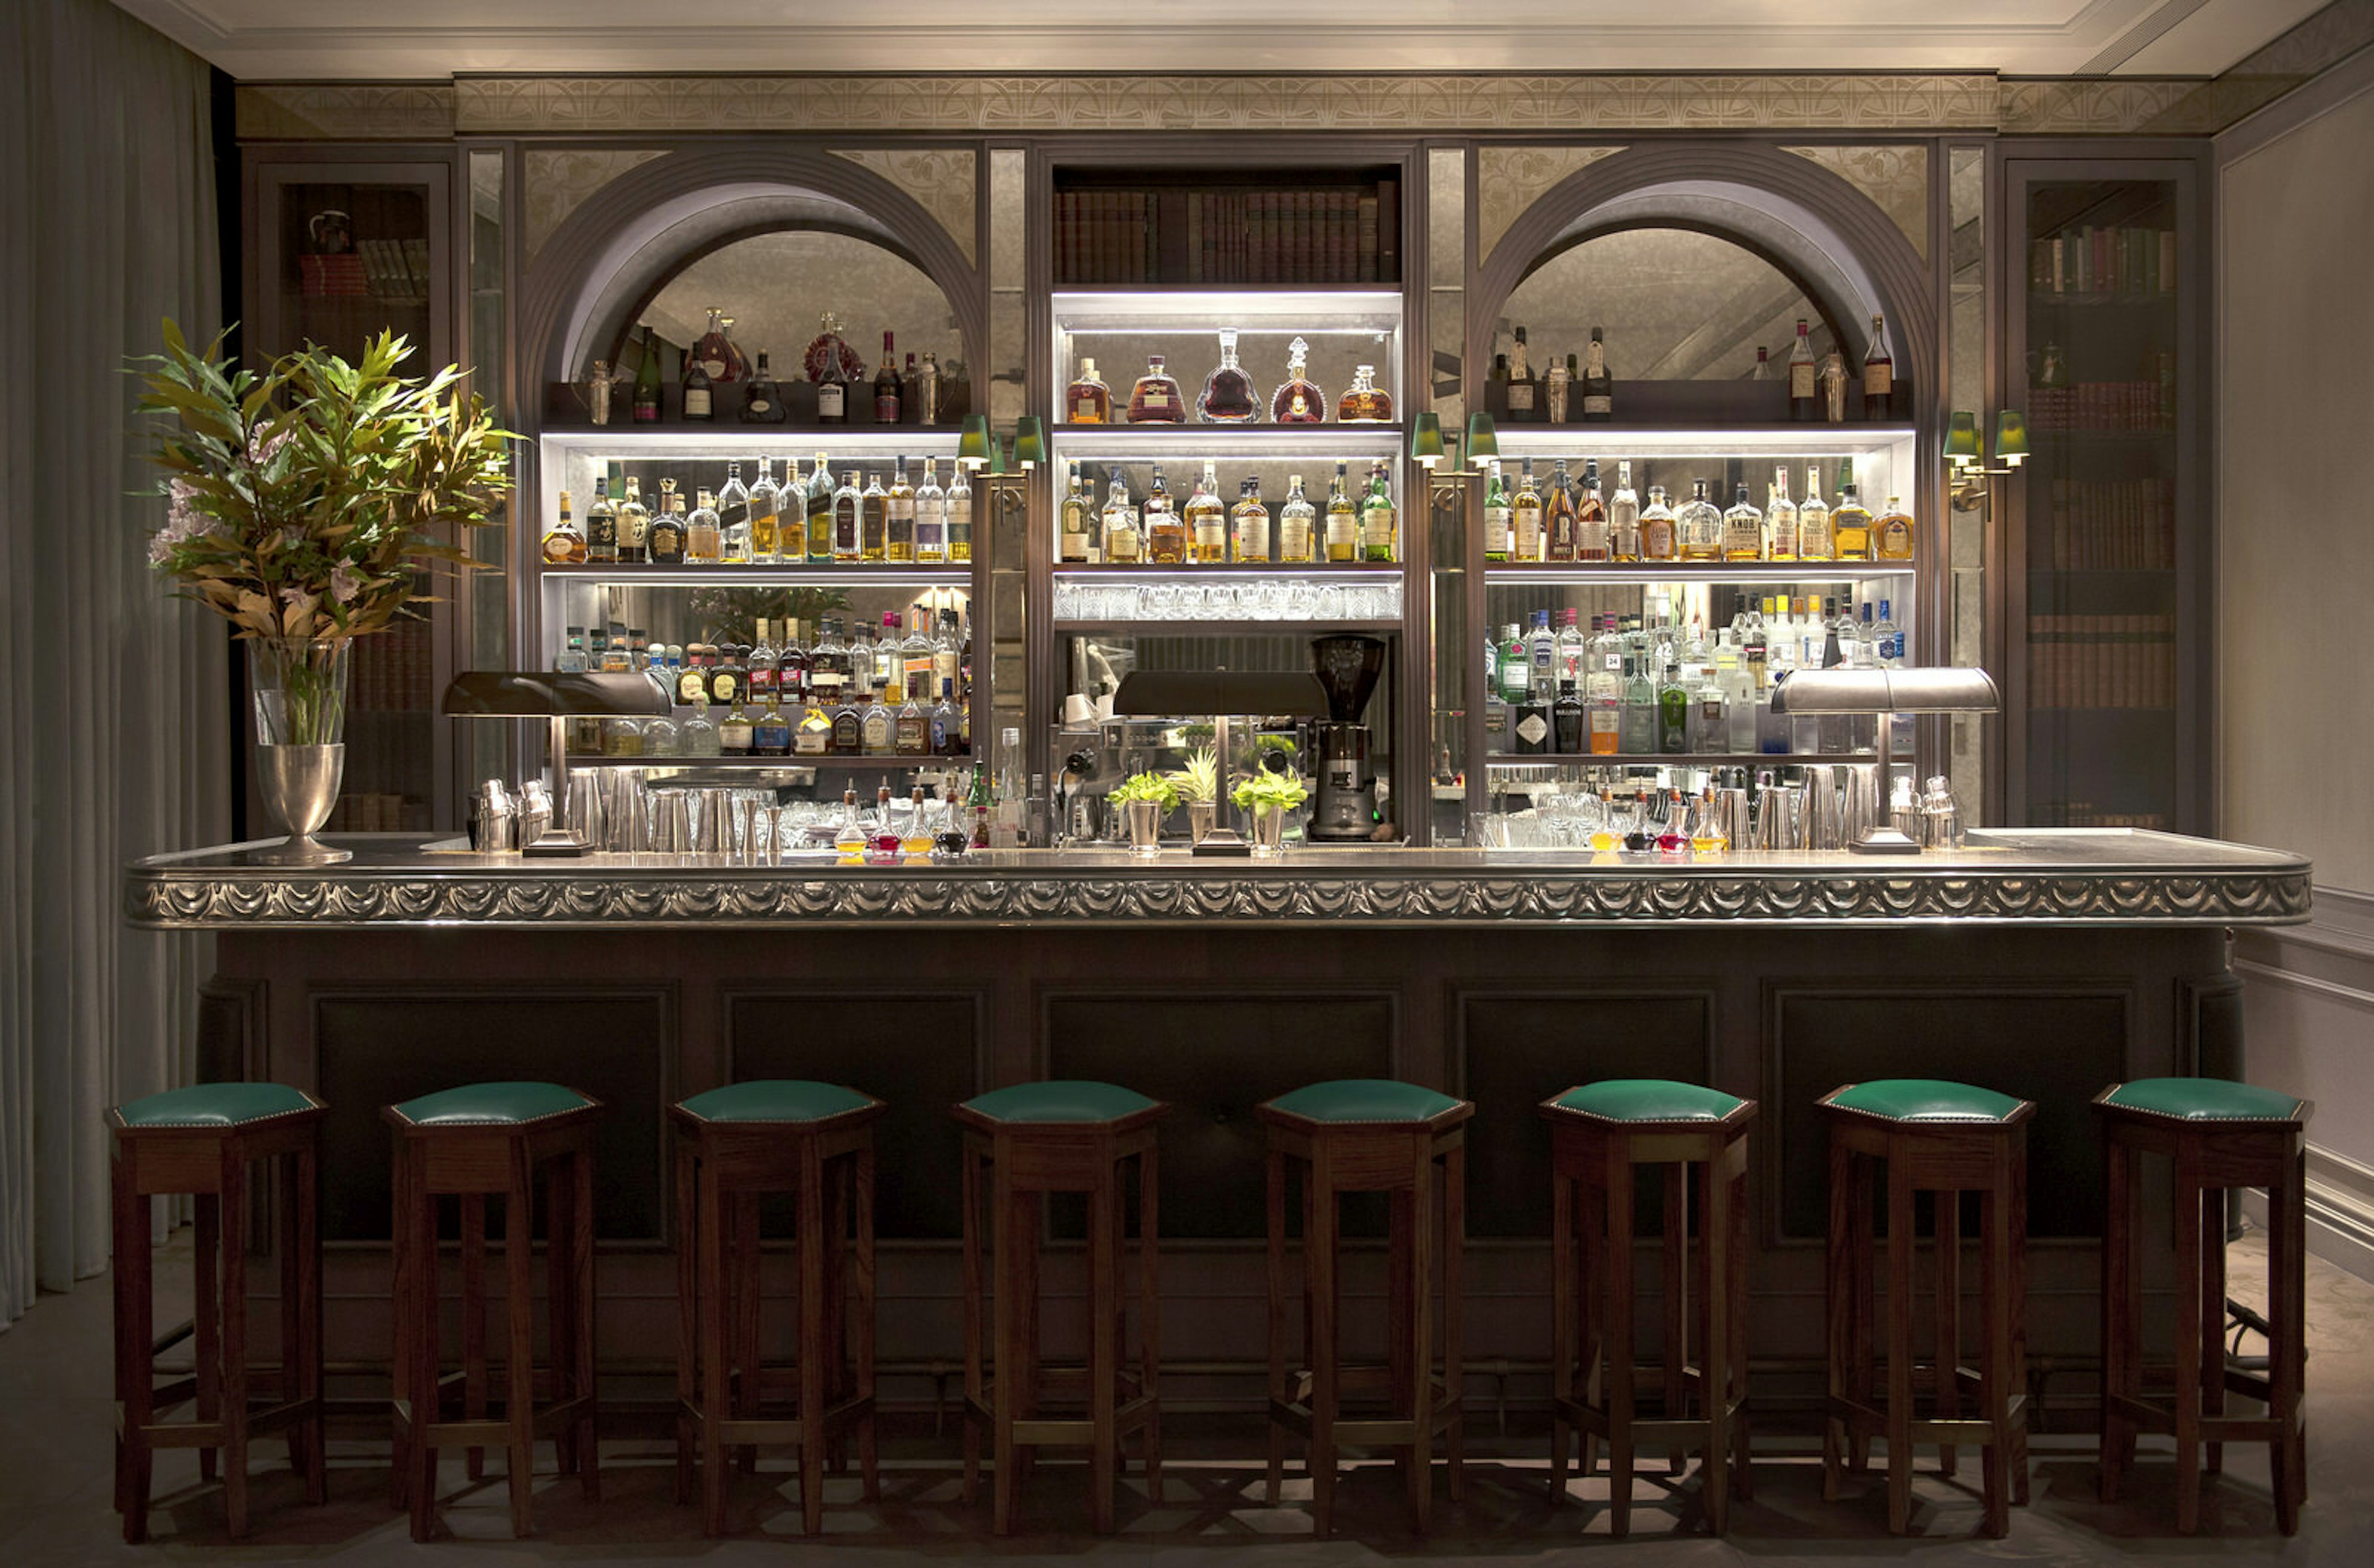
(2044, 964)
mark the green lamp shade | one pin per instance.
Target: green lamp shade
(1483, 441)
(996, 453)
(2011, 436)
(1031, 440)
(1426, 439)
(972, 447)
(1962, 439)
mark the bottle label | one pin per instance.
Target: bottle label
(831, 400)
(876, 732)
(758, 405)
(1531, 728)
(1598, 402)
(1084, 408)
(1603, 720)
(560, 547)
(715, 368)
(721, 685)
(1154, 397)
(1801, 378)
(1520, 397)
(1878, 378)
(1377, 528)
(886, 408)
(696, 402)
(811, 740)
(1495, 530)
(690, 685)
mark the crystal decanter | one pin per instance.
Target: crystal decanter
(1365, 403)
(1155, 400)
(1297, 402)
(1227, 397)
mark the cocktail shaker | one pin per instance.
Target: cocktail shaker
(672, 822)
(534, 811)
(493, 820)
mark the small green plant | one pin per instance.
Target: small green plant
(1147, 786)
(1265, 793)
(1199, 782)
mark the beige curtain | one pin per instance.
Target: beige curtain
(115, 740)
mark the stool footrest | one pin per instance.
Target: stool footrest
(1368, 1430)
(214, 1433)
(493, 1433)
(1057, 1433)
(2152, 1416)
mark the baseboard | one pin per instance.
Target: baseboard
(2340, 1211)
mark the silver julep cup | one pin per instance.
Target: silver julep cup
(1731, 811)
(630, 813)
(713, 835)
(587, 819)
(672, 822)
(1824, 810)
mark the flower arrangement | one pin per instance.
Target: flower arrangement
(1145, 786)
(1199, 782)
(1266, 794)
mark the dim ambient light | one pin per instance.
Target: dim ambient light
(1031, 441)
(2011, 437)
(1483, 441)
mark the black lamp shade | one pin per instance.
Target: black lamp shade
(1177, 694)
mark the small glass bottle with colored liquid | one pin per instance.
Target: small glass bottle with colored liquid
(1707, 836)
(1609, 834)
(1673, 834)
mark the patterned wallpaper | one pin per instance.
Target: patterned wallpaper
(942, 181)
(1895, 177)
(555, 182)
(1510, 179)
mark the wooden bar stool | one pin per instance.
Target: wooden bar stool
(1024, 1141)
(1947, 1139)
(2220, 1135)
(1369, 1135)
(733, 1145)
(1598, 1135)
(478, 1141)
(201, 1139)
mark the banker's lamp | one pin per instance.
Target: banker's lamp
(1948, 690)
(1224, 694)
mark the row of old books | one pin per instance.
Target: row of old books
(1332, 236)
(2105, 405)
(2101, 661)
(394, 671)
(2110, 524)
(2106, 258)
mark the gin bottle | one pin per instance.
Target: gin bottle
(1297, 401)
(1227, 397)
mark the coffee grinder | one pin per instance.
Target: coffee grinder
(1345, 809)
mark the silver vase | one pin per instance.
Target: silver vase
(300, 786)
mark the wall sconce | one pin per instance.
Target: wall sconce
(1973, 481)
(1448, 486)
(973, 446)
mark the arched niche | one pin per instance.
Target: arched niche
(607, 260)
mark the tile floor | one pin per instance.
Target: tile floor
(55, 1436)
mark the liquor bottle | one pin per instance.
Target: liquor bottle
(898, 536)
(1700, 526)
(1603, 686)
(889, 660)
(1297, 401)
(1571, 650)
(647, 380)
(1516, 668)
(1878, 373)
(692, 680)
(704, 537)
(796, 662)
(1541, 652)
(735, 732)
(916, 655)
(947, 666)
(1660, 538)
(1123, 542)
(1558, 518)
(1891, 538)
(1887, 639)
(1527, 544)
(1250, 522)
(1365, 403)
(1593, 543)
(635, 523)
(762, 400)
(1598, 386)
(1163, 531)
(1804, 397)
(665, 544)
(814, 735)
(733, 517)
(931, 518)
(713, 353)
(815, 503)
(1522, 405)
(572, 660)
(1207, 520)
(828, 666)
(1710, 714)
(960, 517)
(1297, 522)
(1343, 521)
(874, 520)
(1155, 399)
(1636, 735)
(1072, 545)
(1851, 524)
(831, 364)
(1227, 397)
(1815, 542)
(910, 730)
(1088, 400)
(1377, 534)
(848, 726)
(1743, 528)
(1496, 518)
(1624, 542)
(602, 526)
(1779, 519)
(728, 676)
(1672, 712)
(697, 735)
(947, 724)
(1764, 370)
(764, 669)
(770, 734)
(767, 513)
(564, 542)
(847, 524)
(699, 393)
(888, 393)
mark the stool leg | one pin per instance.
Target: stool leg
(581, 1319)
(1562, 1324)
(1621, 1342)
(1899, 1347)
(1278, 1391)
(136, 1337)
(2213, 1318)
(233, 1335)
(417, 1323)
(307, 1202)
(2016, 1200)
(1319, 1240)
(1839, 1313)
(2287, 1297)
(1949, 1318)
(1593, 1191)
(1714, 1340)
(1149, 1315)
(400, 1343)
(1012, 1305)
(206, 1327)
(519, 1399)
(1676, 1304)
(862, 1319)
(1402, 1210)
(711, 1230)
(1998, 1309)
(687, 1314)
(743, 1207)
(1865, 1304)
(1423, 1212)
(1454, 1299)
(2120, 1311)
(814, 1328)
(474, 1320)
(836, 1307)
(291, 1360)
(1736, 1389)
(1104, 1345)
(559, 1270)
(970, 1164)
(2188, 1344)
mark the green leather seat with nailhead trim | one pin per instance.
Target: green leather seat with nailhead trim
(1364, 1099)
(1649, 1099)
(1924, 1099)
(1082, 1100)
(491, 1104)
(214, 1105)
(2204, 1099)
(776, 1099)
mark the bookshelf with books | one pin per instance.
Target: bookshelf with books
(1214, 226)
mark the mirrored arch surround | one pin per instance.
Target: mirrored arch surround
(627, 239)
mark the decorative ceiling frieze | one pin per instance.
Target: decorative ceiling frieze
(370, 111)
(1895, 178)
(1508, 180)
(555, 182)
(945, 183)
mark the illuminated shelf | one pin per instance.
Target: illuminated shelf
(1675, 760)
(1339, 575)
(1288, 312)
(1651, 573)
(640, 441)
(835, 763)
(764, 576)
(1280, 628)
(1605, 442)
(1226, 443)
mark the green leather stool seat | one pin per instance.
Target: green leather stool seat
(1649, 1099)
(1082, 1100)
(1924, 1099)
(776, 1099)
(214, 1105)
(1364, 1100)
(2204, 1099)
(491, 1104)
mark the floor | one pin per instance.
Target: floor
(54, 1511)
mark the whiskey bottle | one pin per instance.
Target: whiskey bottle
(848, 726)
(1297, 522)
(765, 665)
(1365, 403)
(1624, 517)
(877, 728)
(770, 734)
(947, 724)
(602, 526)
(1496, 519)
(733, 517)
(1593, 545)
(911, 734)
(635, 523)
(1659, 541)
(704, 539)
(931, 519)
(1878, 373)
(1700, 526)
(915, 653)
(767, 513)
(1891, 538)
(1165, 530)
(1521, 405)
(647, 380)
(1743, 529)
(699, 393)
(1227, 397)
(1815, 542)
(960, 517)
(899, 543)
(888, 393)
(1250, 522)
(1526, 547)
(1558, 518)
(1088, 400)
(1207, 520)
(1804, 394)
(1379, 537)
(664, 542)
(1851, 524)
(874, 520)
(1343, 523)
(762, 400)
(564, 542)
(1155, 399)
(1123, 540)
(1598, 386)
(814, 736)
(1779, 519)
(1072, 545)
(1297, 401)
(815, 503)
(848, 525)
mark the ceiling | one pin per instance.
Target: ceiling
(412, 40)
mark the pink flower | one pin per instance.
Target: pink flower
(261, 445)
(345, 583)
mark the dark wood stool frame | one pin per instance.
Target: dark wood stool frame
(1591, 1162)
(1946, 1157)
(1401, 1159)
(1018, 1163)
(2209, 1156)
(474, 1161)
(211, 1164)
(723, 1168)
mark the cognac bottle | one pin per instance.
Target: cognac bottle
(1089, 401)
(1155, 400)
(1365, 402)
(1227, 397)
(1297, 402)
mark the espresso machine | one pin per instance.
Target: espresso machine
(1344, 809)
